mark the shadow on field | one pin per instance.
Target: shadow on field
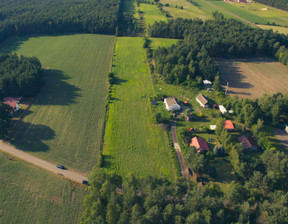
(12, 44)
(57, 90)
(31, 137)
(107, 161)
(118, 81)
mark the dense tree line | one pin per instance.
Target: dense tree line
(280, 4)
(20, 17)
(192, 57)
(158, 200)
(19, 76)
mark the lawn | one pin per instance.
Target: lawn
(133, 143)
(162, 42)
(189, 11)
(31, 195)
(278, 29)
(251, 78)
(152, 14)
(65, 123)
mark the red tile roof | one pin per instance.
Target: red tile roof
(229, 125)
(245, 142)
(11, 104)
(198, 143)
(11, 99)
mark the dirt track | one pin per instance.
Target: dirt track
(68, 174)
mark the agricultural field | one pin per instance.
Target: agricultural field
(189, 11)
(65, 123)
(133, 143)
(253, 77)
(277, 29)
(31, 195)
(162, 42)
(152, 14)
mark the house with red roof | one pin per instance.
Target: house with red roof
(246, 143)
(200, 144)
(14, 106)
(229, 125)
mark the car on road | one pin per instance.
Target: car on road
(85, 182)
(61, 167)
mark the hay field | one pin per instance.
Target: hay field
(133, 143)
(278, 29)
(65, 123)
(151, 14)
(253, 77)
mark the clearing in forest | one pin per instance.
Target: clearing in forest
(151, 14)
(253, 77)
(65, 122)
(162, 42)
(133, 143)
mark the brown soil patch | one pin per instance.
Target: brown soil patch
(253, 77)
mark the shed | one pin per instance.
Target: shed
(213, 127)
(222, 109)
(200, 144)
(229, 125)
(171, 104)
(246, 143)
(202, 100)
(207, 82)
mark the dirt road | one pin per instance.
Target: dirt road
(282, 136)
(68, 174)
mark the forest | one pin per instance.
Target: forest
(191, 58)
(158, 200)
(280, 4)
(19, 76)
(20, 17)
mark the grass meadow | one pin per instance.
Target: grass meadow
(65, 123)
(278, 29)
(133, 144)
(31, 195)
(151, 14)
(162, 42)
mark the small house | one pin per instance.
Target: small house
(222, 109)
(14, 106)
(202, 100)
(171, 104)
(200, 144)
(247, 144)
(229, 125)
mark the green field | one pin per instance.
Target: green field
(151, 14)
(133, 143)
(162, 42)
(31, 195)
(189, 11)
(65, 122)
(278, 29)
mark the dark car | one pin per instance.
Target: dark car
(85, 182)
(61, 167)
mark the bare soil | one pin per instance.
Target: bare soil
(253, 77)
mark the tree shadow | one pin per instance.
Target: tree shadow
(56, 91)
(118, 81)
(107, 161)
(31, 137)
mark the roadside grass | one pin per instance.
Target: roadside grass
(162, 42)
(189, 11)
(65, 123)
(31, 195)
(151, 14)
(133, 143)
(277, 29)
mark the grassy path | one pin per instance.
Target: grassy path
(133, 144)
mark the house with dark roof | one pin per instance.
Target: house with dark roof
(229, 125)
(171, 104)
(247, 143)
(202, 100)
(200, 144)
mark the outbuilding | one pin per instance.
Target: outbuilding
(247, 144)
(200, 144)
(222, 109)
(286, 129)
(171, 104)
(202, 100)
(229, 125)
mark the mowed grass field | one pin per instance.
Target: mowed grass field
(31, 195)
(189, 11)
(253, 77)
(151, 14)
(133, 144)
(65, 123)
(162, 42)
(278, 29)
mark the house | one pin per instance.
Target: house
(14, 106)
(229, 125)
(247, 144)
(171, 104)
(222, 109)
(12, 99)
(202, 100)
(200, 144)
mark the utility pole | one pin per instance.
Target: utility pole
(227, 88)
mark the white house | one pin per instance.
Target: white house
(201, 99)
(171, 104)
(222, 109)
